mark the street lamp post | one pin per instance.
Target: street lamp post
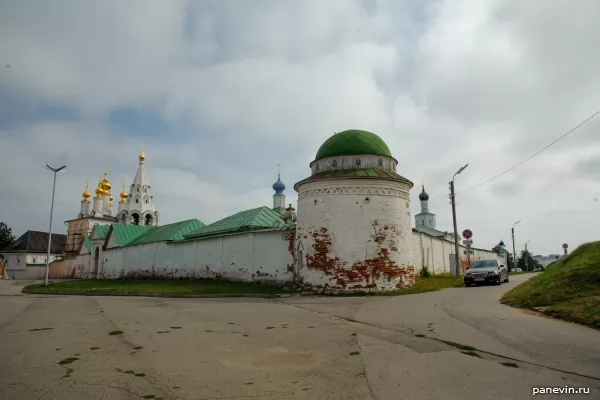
(452, 195)
(526, 256)
(514, 250)
(55, 170)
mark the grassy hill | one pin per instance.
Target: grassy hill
(569, 289)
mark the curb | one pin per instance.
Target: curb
(184, 296)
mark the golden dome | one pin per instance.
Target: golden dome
(86, 195)
(99, 192)
(110, 198)
(142, 156)
(105, 184)
(123, 196)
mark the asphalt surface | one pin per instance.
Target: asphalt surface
(61, 347)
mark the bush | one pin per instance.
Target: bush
(425, 273)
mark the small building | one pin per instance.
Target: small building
(26, 257)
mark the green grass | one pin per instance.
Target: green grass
(569, 288)
(206, 286)
(155, 286)
(422, 285)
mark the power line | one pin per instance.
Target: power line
(530, 157)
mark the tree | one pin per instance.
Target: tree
(510, 262)
(6, 236)
(531, 263)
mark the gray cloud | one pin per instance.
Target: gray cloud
(241, 86)
(589, 168)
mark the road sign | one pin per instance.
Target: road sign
(468, 251)
(565, 246)
(468, 241)
(467, 234)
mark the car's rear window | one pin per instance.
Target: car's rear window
(484, 264)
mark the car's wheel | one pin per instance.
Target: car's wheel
(506, 280)
(499, 282)
(467, 284)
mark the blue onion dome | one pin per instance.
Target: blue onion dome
(501, 243)
(423, 195)
(278, 186)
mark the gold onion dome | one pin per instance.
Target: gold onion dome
(86, 195)
(105, 184)
(123, 196)
(142, 157)
(110, 198)
(99, 191)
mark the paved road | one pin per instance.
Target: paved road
(297, 348)
(475, 317)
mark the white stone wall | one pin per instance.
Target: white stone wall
(435, 254)
(354, 234)
(353, 162)
(255, 257)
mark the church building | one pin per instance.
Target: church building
(135, 208)
(425, 220)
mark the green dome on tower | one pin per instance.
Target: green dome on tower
(353, 142)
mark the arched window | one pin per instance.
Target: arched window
(137, 200)
(148, 218)
(135, 219)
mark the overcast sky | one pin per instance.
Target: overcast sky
(219, 91)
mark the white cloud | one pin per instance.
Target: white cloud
(243, 85)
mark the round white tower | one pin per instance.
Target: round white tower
(353, 222)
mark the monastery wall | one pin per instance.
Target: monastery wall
(435, 254)
(255, 257)
(265, 257)
(69, 268)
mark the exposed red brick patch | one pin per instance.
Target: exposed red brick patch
(362, 275)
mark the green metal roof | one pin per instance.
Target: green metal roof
(125, 234)
(244, 221)
(363, 173)
(353, 142)
(101, 230)
(171, 232)
(240, 232)
(88, 242)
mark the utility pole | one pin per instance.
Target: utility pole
(514, 250)
(526, 254)
(456, 258)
